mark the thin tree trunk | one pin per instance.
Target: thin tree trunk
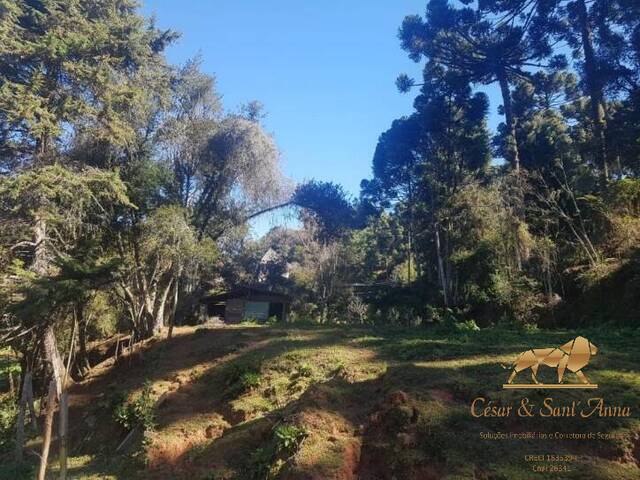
(52, 355)
(409, 257)
(441, 273)
(48, 427)
(83, 360)
(63, 425)
(30, 403)
(158, 322)
(410, 233)
(62, 432)
(548, 278)
(595, 92)
(516, 242)
(512, 145)
(83, 357)
(174, 306)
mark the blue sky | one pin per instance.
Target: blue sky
(324, 71)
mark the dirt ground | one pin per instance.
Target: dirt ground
(332, 403)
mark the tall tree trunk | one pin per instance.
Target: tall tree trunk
(52, 356)
(30, 404)
(594, 90)
(41, 267)
(410, 232)
(512, 144)
(40, 257)
(441, 272)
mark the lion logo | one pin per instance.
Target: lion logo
(572, 356)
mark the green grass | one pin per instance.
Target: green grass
(335, 385)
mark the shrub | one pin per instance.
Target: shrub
(304, 370)
(288, 438)
(241, 379)
(357, 310)
(267, 462)
(249, 380)
(137, 413)
(467, 326)
(8, 414)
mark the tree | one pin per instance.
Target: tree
(163, 250)
(480, 49)
(51, 208)
(327, 204)
(426, 158)
(68, 64)
(396, 173)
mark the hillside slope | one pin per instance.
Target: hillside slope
(256, 403)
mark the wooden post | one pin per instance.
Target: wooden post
(48, 426)
(64, 408)
(62, 432)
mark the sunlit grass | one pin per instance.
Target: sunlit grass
(331, 381)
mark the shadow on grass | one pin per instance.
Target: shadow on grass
(441, 373)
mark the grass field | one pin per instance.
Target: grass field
(322, 403)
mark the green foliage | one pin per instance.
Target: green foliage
(8, 415)
(73, 64)
(303, 370)
(624, 196)
(267, 462)
(288, 438)
(9, 365)
(138, 413)
(329, 205)
(107, 316)
(63, 196)
(241, 378)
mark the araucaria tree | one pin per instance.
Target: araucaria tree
(480, 49)
(498, 240)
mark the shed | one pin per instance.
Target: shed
(246, 303)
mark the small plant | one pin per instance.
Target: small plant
(340, 366)
(467, 326)
(288, 438)
(8, 415)
(304, 370)
(268, 461)
(241, 379)
(530, 328)
(249, 380)
(357, 310)
(138, 413)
